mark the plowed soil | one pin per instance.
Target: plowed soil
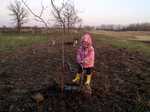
(121, 83)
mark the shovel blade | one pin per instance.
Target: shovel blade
(71, 88)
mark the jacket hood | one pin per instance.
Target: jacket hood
(87, 38)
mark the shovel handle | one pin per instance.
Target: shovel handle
(82, 75)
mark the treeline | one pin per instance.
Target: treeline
(37, 30)
(138, 27)
(131, 27)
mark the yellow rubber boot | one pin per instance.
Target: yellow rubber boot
(77, 78)
(88, 80)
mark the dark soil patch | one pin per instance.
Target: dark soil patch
(121, 83)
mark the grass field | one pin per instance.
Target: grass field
(133, 41)
(11, 41)
(138, 41)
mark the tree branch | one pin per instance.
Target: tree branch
(37, 16)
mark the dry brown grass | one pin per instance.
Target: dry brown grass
(123, 35)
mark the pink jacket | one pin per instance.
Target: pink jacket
(86, 56)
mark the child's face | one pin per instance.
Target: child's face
(85, 44)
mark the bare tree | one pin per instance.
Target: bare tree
(65, 15)
(19, 14)
(38, 17)
(70, 15)
(57, 13)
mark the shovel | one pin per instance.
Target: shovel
(71, 88)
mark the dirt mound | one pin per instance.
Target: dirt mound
(121, 83)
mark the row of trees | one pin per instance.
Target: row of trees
(138, 27)
(65, 15)
(130, 27)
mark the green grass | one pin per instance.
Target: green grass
(11, 41)
(131, 45)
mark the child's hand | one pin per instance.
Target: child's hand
(84, 61)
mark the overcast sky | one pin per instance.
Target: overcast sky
(94, 12)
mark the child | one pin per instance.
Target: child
(85, 59)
